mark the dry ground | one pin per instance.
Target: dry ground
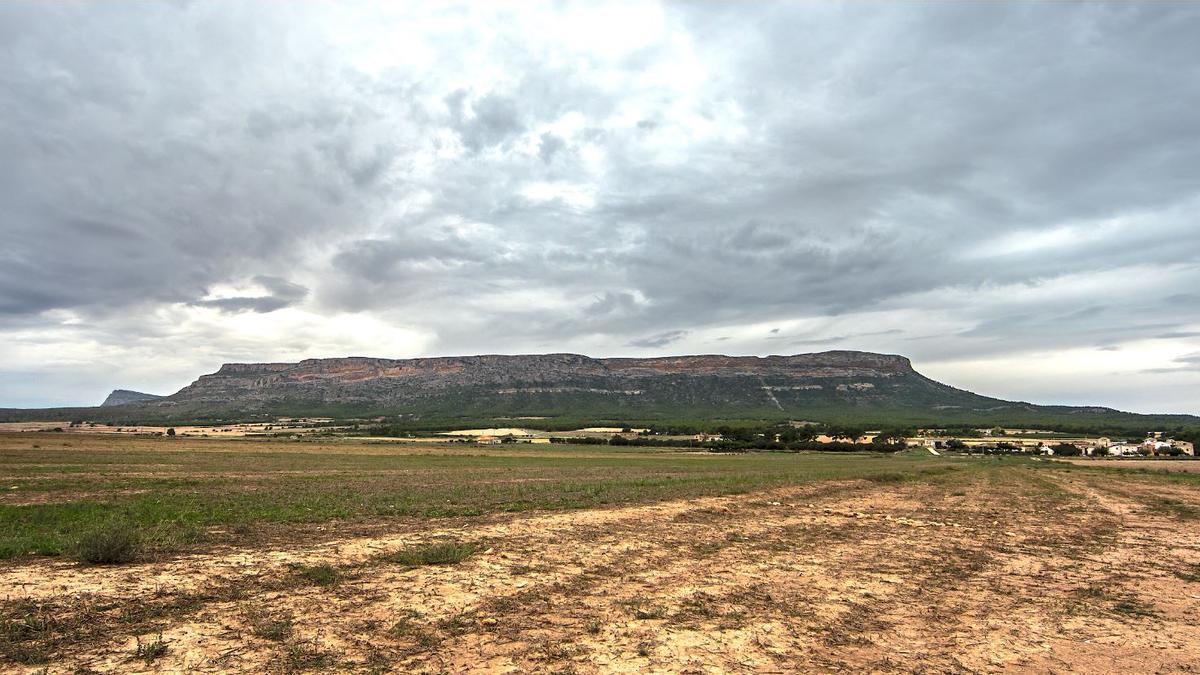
(992, 567)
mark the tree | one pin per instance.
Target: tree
(1066, 450)
(171, 431)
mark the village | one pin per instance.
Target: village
(995, 440)
(998, 440)
(1027, 441)
(989, 441)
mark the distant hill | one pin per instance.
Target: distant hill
(835, 386)
(126, 396)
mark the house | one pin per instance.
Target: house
(487, 440)
(706, 438)
(1186, 447)
(1123, 449)
(862, 440)
(1156, 447)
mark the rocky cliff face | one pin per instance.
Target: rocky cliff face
(357, 379)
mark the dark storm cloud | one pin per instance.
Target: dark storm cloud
(1187, 362)
(280, 293)
(659, 340)
(983, 179)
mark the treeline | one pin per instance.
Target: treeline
(726, 445)
(776, 438)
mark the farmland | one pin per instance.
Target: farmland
(291, 555)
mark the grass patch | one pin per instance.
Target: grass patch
(302, 656)
(273, 628)
(1172, 507)
(446, 553)
(318, 575)
(151, 650)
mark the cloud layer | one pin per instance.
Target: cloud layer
(1004, 192)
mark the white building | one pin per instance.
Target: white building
(1123, 449)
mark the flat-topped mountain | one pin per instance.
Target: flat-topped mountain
(826, 386)
(835, 386)
(357, 379)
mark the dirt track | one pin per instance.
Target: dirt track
(1022, 569)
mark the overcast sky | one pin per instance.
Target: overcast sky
(1008, 194)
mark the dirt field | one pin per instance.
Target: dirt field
(926, 566)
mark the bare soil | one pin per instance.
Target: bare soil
(1016, 569)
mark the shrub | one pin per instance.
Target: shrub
(111, 543)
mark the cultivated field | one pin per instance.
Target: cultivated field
(286, 556)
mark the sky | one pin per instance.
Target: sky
(1005, 193)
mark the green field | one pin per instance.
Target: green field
(178, 491)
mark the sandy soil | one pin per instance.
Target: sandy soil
(1032, 571)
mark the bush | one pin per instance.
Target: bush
(111, 543)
